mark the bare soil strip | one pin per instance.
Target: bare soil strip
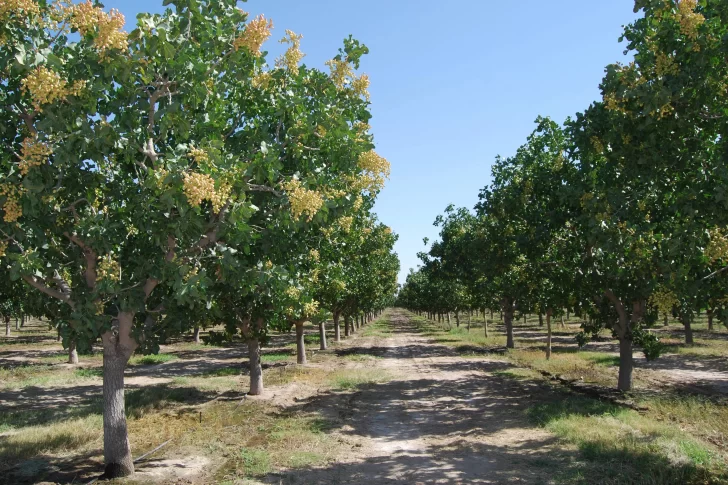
(441, 419)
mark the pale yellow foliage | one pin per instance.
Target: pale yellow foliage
(360, 86)
(11, 207)
(310, 308)
(717, 249)
(254, 36)
(198, 187)
(261, 80)
(108, 268)
(34, 154)
(88, 18)
(302, 200)
(690, 20)
(375, 170)
(664, 300)
(340, 72)
(3, 248)
(315, 255)
(293, 292)
(198, 155)
(293, 54)
(19, 8)
(46, 86)
(345, 223)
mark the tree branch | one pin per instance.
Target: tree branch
(42, 287)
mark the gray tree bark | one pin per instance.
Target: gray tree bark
(300, 344)
(119, 346)
(322, 334)
(256, 367)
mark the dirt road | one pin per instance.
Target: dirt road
(441, 419)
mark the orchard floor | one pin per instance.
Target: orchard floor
(401, 402)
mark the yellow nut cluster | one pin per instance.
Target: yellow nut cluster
(597, 144)
(293, 292)
(269, 264)
(197, 187)
(338, 285)
(191, 274)
(11, 207)
(3, 248)
(198, 155)
(107, 27)
(34, 154)
(108, 269)
(261, 80)
(360, 86)
(314, 255)
(303, 200)
(18, 8)
(665, 65)
(387, 230)
(358, 202)
(717, 249)
(664, 300)
(340, 72)
(46, 86)
(345, 223)
(293, 54)
(220, 196)
(310, 308)
(690, 20)
(254, 36)
(376, 169)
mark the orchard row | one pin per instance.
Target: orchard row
(620, 214)
(173, 177)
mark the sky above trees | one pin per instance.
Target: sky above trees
(453, 84)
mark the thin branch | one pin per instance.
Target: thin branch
(715, 273)
(264, 188)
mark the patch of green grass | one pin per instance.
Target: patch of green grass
(152, 359)
(224, 371)
(354, 378)
(618, 443)
(378, 328)
(519, 373)
(254, 462)
(275, 357)
(95, 372)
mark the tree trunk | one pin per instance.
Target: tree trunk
(540, 319)
(196, 335)
(300, 344)
(525, 320)
(22, 320)
(665, 323)
(449, 325)
(347, 329)
(563, 325)
(568, 314)
(508, 320)
(119, 345)
(256, 368)
(470, 316)
(485, 324)
(17, 323)
(337, 328)
(624, 382)
(7, 326)
(72, 353)
(457, 318)
(710, 319)
(687, 323)
(322, 334)
(548, 334)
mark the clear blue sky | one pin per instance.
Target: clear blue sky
(454, 83)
